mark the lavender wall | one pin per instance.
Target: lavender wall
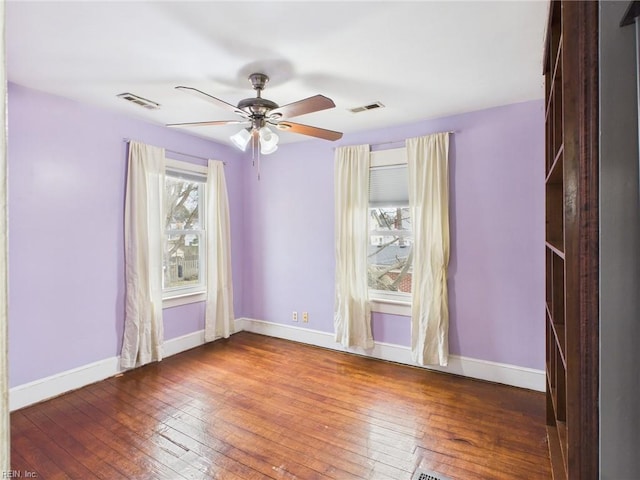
(496, 271)
(66, 202)
(66, 181)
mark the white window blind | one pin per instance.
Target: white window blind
(388, 186)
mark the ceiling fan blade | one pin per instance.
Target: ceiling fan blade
(311, 131)
(211, 99)
(212, 123)
(301, 107)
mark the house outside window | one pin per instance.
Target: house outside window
(184, 253)
(390, 258)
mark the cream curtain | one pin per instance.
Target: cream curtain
(4, 261)
(143, 232)
(427, 159)
(219, 314)
(352, 317)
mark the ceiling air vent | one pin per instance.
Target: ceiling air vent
(143, 102)
(371, 106)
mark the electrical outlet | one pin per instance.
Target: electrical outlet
(294, 317)
(305, 317)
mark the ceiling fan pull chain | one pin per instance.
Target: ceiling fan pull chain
(253, 152)
(259, 165)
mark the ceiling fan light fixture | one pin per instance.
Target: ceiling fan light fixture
(267, 136)
(268, 141)
(266, 150)
(241, 139)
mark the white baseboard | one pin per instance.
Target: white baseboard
(48, 387)
(183, 343)
(468, 367)
(44, 388)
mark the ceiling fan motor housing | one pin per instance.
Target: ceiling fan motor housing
(259, 107)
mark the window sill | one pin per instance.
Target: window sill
(394, 307)
(184, 299)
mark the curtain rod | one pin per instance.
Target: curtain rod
(451, 132)
(127, 140)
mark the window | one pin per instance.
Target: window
(184, 257)
(390, 234)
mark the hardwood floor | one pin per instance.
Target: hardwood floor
(255, 407)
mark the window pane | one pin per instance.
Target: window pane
(182, 198)
(395, 218)
(390, 249)
(182, 260)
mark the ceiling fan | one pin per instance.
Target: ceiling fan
(259, 113)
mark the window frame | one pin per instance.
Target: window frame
(381, 301)
(175, 296)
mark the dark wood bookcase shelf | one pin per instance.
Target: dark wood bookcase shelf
(570, 202)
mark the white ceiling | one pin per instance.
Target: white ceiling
(420, 59)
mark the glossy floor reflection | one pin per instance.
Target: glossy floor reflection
(255, 407)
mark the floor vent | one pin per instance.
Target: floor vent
(371, 106)
(143, 102)
(427, 475)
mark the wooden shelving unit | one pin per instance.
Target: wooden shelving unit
(555, 267)
(570, 69)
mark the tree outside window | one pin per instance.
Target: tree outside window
(183, 262)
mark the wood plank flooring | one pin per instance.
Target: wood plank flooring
(255, 407)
